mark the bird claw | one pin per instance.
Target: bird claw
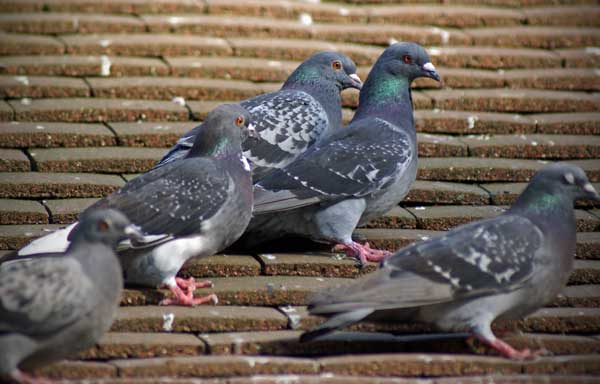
(190, 285)
(185, 296)
(515, 354)
(364, 253)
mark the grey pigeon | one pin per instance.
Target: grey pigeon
(57, 304)
(356, 174)
(305, 109)
(504, 267)
(193, 207)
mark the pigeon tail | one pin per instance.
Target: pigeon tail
(338, 321)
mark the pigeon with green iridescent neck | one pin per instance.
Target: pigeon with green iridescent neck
(194, 207)
(57, 304)
(500, 268)
(307, 108)
(355, 175)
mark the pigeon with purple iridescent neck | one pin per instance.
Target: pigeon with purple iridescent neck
(356, 174)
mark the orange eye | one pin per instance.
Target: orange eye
(336, 65)
(407, 59)
(102, 226)
(239, 121)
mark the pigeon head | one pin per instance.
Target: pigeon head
(567, 180)
(555, 187)
(333, 67)
(408, 60)
(223, 131)
(107, 226)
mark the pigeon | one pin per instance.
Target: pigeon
(57, 304)
(305, 109)
(503, 267)
(196, 206)
(356, 174)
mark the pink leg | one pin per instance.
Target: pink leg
(508, 351)
(25, 378)
(363, 253)
(188, 299)
(190, 285)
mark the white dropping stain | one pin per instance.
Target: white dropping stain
(471, 120)
(178, 100)
(306, 19)
(40, 127)
(270, 257)
(434, 51)
(105, 65)
(392, 41)
(168, 322)
(422, 237)
(26, 101)
(444, 35)
(436, 110)
(104, 43)
(320, 279)
(551, 142)
(312, 1)
(420, 208)
(22, 79)
(175, 20)
(28, 234)
(501, 72)
(534, 143)
(273, 63)
(344, 11)
(592, 50)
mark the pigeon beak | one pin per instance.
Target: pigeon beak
(252, 131)
(591, 192)
(356, 81)
(133, 232)
(430, 72)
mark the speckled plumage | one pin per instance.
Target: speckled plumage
(289, 121)
(354, 175)
(193, 207)
(503, 267)
(54, 305)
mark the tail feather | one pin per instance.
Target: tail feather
(340, 320)
(54, 242)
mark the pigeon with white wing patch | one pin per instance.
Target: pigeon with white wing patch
(57, 304)
(189, 208)
(500, 268)
(356, 174)
(307, 108)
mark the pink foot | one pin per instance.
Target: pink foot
(363, 253)
(187, 298)
(190, 285)
(508, 351)
(24, 378)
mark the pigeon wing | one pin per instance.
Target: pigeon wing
(43, 294)
(174, 199)
(494, 255)
(355, 162)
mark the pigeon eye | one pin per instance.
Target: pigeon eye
(407, 59)
(336, 65)
(239, 121)
(102, 226)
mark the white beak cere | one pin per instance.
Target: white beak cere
(429, 67)
(252, 130)
(355, 77)
(589, 188)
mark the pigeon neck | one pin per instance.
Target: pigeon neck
(326, 92)
(545, 207)
(218, 147)
(386, 96)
